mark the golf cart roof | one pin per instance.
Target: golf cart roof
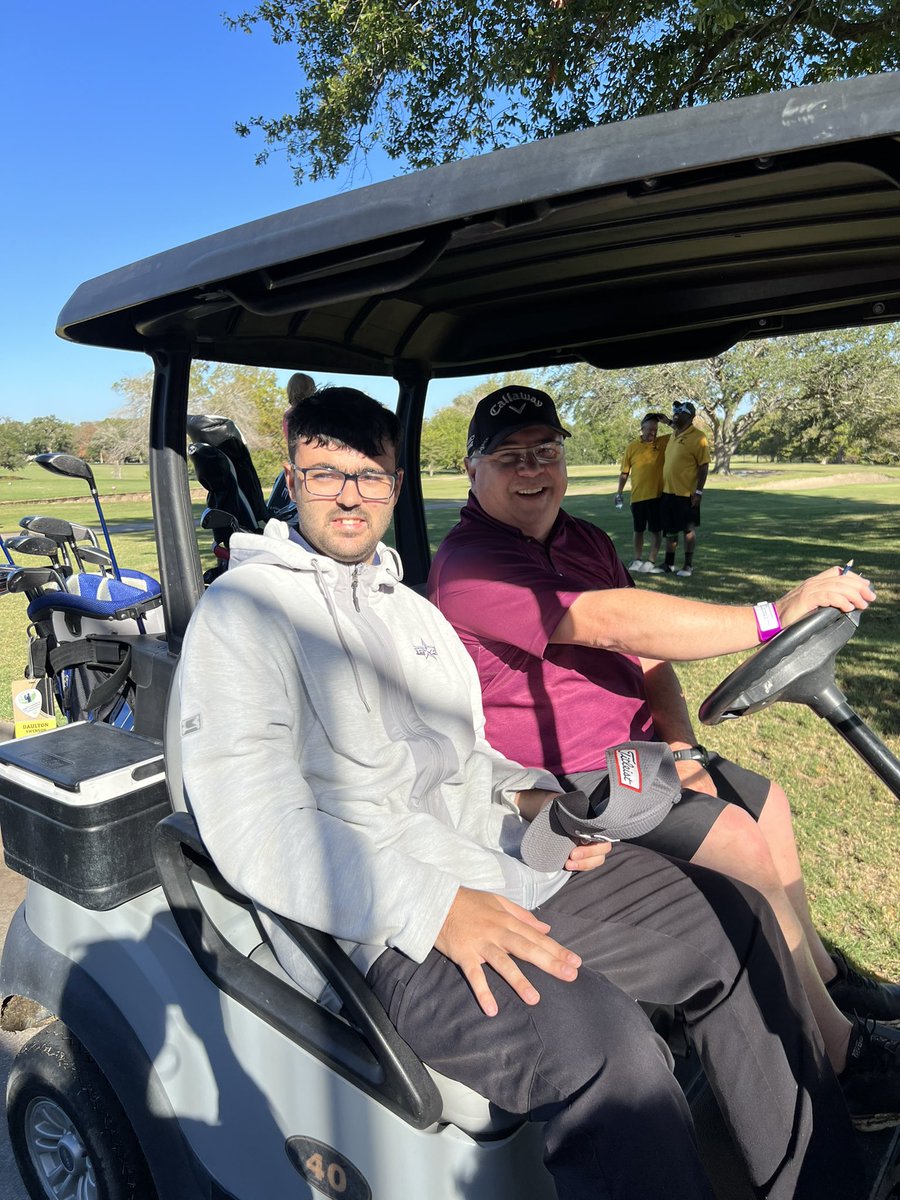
(662, 238)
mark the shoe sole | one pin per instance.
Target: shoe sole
(872, 1122)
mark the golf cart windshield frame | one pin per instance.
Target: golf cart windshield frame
(664, 238)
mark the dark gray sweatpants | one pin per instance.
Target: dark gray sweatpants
(586, 1060)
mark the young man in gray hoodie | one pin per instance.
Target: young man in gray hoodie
(335, 760)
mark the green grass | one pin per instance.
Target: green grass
(764, 528)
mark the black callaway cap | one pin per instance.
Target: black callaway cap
(503, 412)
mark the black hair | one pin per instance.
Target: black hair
(342, 416)
(650, 417)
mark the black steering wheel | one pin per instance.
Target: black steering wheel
(796, 666)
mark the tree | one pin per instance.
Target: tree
(115, 439)
(430, 82)
(444, 440)
(250, 396)
(845, 402)
(732, 392)
(597, 407)
(12, 444)
(820, 395)
(47, 433)
(466, 401)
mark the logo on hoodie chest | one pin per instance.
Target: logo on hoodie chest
(425, 651)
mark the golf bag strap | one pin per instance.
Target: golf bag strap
(90, 653)
(38, 652)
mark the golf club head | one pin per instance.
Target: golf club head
(84, 533)
(35, 543)
(217, 518)
(5, 571)
(51, 527)
(68, 465)
(33, 579)
(95, 555)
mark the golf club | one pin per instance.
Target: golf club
(36, 543)
(66, 534)
(96, 555)
(76, 468)
(5, 571)
(32, 580)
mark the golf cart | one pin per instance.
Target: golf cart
(181, 1061)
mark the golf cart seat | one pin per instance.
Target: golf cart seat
(229, 938)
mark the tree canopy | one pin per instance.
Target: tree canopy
(250, 396)
(429, 82)
(830, 397)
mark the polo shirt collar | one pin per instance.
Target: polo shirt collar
(474, 513)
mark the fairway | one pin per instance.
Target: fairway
(764, 528)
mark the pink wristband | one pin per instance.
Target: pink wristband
(767, 620)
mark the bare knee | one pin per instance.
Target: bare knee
(736, 846)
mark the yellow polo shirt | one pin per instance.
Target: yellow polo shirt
(643, 462)
(685, 454)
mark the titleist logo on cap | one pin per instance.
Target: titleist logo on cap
(516, 401)
(628, 769)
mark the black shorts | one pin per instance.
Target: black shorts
(687, 823)
(678, 514)
(645, 515)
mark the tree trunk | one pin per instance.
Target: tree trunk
(722, 458)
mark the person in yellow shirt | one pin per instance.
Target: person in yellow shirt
(643, 461)
(685, 467)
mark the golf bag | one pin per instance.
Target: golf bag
(80, 642)
(234, 496)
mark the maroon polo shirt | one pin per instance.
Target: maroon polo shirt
(546, 705)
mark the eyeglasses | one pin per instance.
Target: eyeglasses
(328, 482)
(519, 456)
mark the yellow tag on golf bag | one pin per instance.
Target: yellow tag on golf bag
(28, 709)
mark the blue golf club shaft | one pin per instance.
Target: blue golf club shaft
(112, 558)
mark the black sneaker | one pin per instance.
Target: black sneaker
(854, 992)
(871, 1079)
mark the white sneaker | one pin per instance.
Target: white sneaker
(636, 565)
(685, 572)
(650, 568)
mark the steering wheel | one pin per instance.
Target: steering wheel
(796, 666)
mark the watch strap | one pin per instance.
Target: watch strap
(698, 753)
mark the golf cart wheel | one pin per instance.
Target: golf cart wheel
(70, 1135)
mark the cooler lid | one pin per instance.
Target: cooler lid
(83, 751)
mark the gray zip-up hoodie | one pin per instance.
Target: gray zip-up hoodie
(334, 754)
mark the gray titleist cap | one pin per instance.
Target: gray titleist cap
(637, 790)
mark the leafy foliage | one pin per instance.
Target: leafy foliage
(429, 82)
(250, 396)
(444, 440)
(834, 396)
(845, 404)
(19, 439)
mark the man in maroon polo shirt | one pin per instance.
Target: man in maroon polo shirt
(573, 659)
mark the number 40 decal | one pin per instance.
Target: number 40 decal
(328, 1171)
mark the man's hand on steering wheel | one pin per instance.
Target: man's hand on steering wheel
(828, 589)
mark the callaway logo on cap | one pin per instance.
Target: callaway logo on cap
(503, 412)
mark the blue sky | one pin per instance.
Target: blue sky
(119, 143)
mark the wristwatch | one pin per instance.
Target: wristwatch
(698, 753)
